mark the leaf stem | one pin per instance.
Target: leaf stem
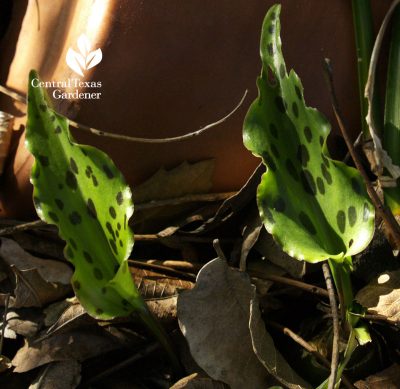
(391, 140)
(335, 318)
(364, 39)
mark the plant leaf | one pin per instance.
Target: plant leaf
(79, 189)
(322, 202)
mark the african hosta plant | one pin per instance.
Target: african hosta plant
(79, 189)
(316, 208)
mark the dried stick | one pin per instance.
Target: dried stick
(335, 318)
(21, 227)
(384, 213)
(127, 138)
(311, 349)
(289, 281)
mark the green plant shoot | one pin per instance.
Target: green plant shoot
(79, 189)
(315, 207)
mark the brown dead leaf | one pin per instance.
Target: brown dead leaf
(196, 381)
(382, 295)
(214, 317)
(386, 379)
(79, 344)
(26, 322)
(59, 375)
(49, 270)
(187, 178)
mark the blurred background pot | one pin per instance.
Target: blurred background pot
(169, 67)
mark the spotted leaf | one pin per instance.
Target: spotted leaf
(79, 189)
(315, 207)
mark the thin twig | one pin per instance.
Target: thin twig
(196, 198)
(311, 349)
(289, 281)
(3, 328)
(163, 269)
(384, 213)
(128, 138)
(21, 227)
(218, 249)
(335, 319)
(175, 239)
(138, 355)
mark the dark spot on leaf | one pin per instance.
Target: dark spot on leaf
(88, 171)
(103, 290)
(88, 257)
(270, 49)
(74, 166)
(273, 15)
(298, 92)
(119, 198)
(52, 118)
(273, 130)
(75, 218)
(351, 242)
(282, 70)
(125, 220)
(113, 246)
(325, 160)
(303, 155)
(291, 169)
(321, 140)
(119, 226)
(121, 243)
(268, 215)
(77, 285)
(69, 253)
(320, 185)
(307, 223)
(73, 244)
(44, 161)
(110, 229)
(108, 171)
(37, 202)
(53, 217)
(326, 174)
(112, 212)
(308, 134)
(280, 104)
(59, 204)
(43, 107)
(57, 130)
(94, 180)
(91, 209)
(124, 302)
(271, 28)
(97, 273)
(308, 183)
(352, 215)
(280, 205)
(295, 110)
(36, 172)
(60, 186)
(83, 152)
(341, 221)
(269, 161)
(271, 79)
(117, 233)
(356, 185)
(99, 311)
(366, 212)
(70, 180)
(275, 151)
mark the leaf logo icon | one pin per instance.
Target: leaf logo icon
(85, 59)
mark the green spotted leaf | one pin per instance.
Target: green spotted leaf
(79, 189)
(315, 207)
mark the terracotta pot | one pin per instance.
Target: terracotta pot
(170, 67)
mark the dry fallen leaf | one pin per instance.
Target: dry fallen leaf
(382, 295)
(59, 375)
(386, 379)
(214, 317)
(196, 381)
